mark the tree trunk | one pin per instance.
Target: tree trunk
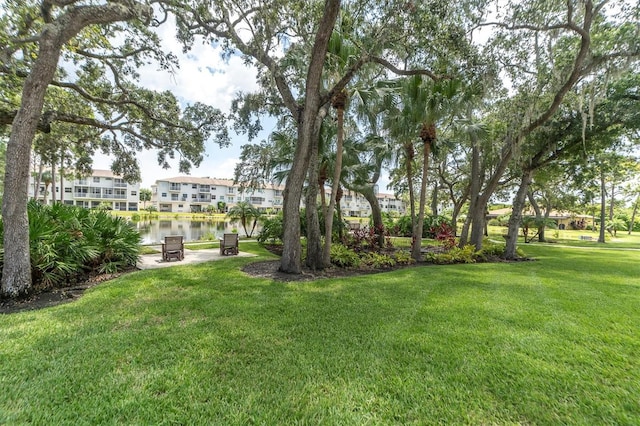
(415, 251)
(434, 200)
(16, 274)
(516, 215)
(290, 262)
(412, 200)
(613, 200)
(339, 104)
(603, 205)
(633, 216)
(457, 207)
(36, 187)
(53, 182)
(62, 180)
(539, 217)
(376, 213)
(314, 258)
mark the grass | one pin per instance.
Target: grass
(554, 341)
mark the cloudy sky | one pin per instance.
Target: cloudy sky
(202, 77)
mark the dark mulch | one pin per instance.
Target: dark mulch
(53, 297)
(269, 269)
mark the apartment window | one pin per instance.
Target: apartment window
(213, 188)
(213, 197)
(180, 206)
(164, 195)
(96, 180)
(222, 198)
(194, 186)
(134, 193)
(67, 190)
(229, 190)
(230, 199)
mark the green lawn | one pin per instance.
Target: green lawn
(554, 341)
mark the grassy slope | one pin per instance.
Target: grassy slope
(551, 341)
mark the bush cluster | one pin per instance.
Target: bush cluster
(67, 243)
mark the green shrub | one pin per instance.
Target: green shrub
(467, 254)
(403, 257)
(430, 224)
(491, 250)
(67, 242)
(272, 229)
(343, 256)
(377, 260)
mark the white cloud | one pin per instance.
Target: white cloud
(204, 77)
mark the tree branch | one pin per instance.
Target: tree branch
(399, 71)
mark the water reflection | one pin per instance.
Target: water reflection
(154, 231)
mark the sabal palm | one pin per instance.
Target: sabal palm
(418, 108)
(244, 212)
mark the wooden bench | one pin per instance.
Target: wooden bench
(586, 237)
(172, 248)
(229, 244)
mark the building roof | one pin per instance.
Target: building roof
(198, 180)
(104, 173)
(210, 181)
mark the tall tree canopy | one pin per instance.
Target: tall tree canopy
(76, 62)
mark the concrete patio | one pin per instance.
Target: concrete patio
(153, 261)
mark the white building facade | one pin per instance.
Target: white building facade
(101, 188)
(193, 194)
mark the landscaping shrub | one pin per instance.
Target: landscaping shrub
(343, 256)
(403, 257)
(466, 254)
(444, 233)
(430, 223)
(272, 229)
(68, 242)
(366, 239)
(377, 260)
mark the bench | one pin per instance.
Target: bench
(229, 244)
(172, 248)
(586, 237)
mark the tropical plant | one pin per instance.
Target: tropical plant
(272, 229)
(244, 213)
(145, 196)
(68, 242)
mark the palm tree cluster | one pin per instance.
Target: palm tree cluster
(69, 243)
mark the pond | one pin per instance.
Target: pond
(154, 231)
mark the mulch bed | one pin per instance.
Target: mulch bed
(56, 296)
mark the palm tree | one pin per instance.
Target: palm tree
(145, 196)
(244, 212)
(440, 104)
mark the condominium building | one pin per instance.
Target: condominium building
(101, 188)
(355, 205)
(195, 194)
